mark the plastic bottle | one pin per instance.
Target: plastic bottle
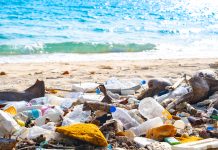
(99, 106)
(150, 108)
(180, 91)
(144, 127)
(34, 113)
(53, 114)
(125, 118)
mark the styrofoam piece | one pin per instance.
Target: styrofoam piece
(198, 145)
(85, 87)
(142, 141)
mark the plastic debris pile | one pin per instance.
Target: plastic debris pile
(119, 114)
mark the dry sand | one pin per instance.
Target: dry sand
(20, 76)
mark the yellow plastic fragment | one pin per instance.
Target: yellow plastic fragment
(188, 139)
(11, 110)
(85, 132)
(20, 122)
(159, 133)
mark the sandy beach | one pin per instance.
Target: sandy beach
(21, 75)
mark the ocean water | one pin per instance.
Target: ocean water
(187, 28)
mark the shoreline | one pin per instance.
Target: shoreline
(119, 56)
(21, 75)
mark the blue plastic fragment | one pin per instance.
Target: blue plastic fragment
(113, 109)
(210, 128)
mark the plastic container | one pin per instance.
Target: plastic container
(7, 124)
(125, 118)
(53, 114)
(144, 127)
(150, 108)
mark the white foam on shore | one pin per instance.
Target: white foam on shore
(73, 57)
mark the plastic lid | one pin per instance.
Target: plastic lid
(35, 113)
(97, 91)
(113, 109)
(143, 82)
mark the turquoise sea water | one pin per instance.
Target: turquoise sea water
(99, 26)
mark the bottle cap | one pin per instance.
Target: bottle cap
(143, 82)
(97, 91)
(35, 113)
(210, 128)
(113, 109)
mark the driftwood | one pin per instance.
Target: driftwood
(107, 98)
(203, 86)
(36, 90)
(155, 86)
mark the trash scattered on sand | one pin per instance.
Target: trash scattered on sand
(118, 114)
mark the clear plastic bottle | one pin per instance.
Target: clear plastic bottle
(144, 127)
(150, 108)
(125, 118)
